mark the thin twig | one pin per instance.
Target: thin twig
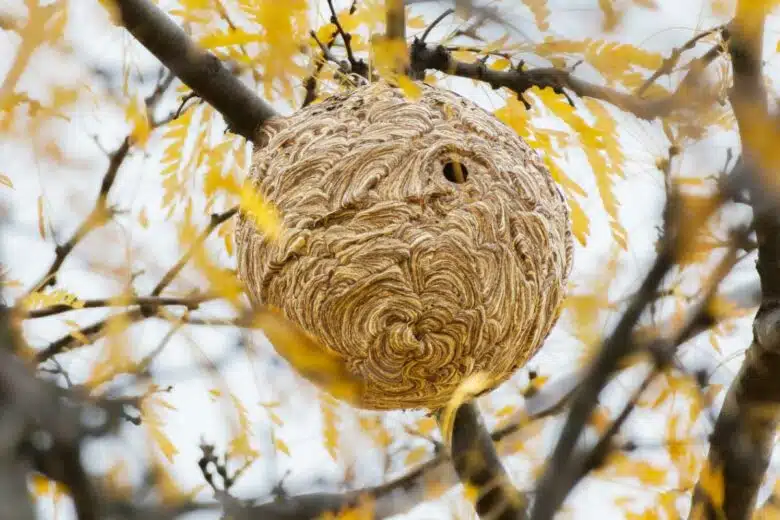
(667, 67)
(358, 66)
(90, 332)
(101, 213)
(436, 22)
(98, 216)
(173, 272)
(190, 302)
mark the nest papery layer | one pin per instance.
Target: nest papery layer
(415, 280)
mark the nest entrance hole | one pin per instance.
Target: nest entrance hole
(456, 172)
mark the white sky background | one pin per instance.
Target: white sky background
(68, 193)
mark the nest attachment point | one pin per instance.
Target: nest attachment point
(424, 240)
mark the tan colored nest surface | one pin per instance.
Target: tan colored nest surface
(416, 279)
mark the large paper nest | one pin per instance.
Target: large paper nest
(424, 241)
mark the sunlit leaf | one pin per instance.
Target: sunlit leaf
(467, 390)
(313, 361)
(416, 455)
(541, 13)
(153, 422)
(330, 429)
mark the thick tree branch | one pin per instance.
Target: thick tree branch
(243, 110)
(477, 464)
(744, 433)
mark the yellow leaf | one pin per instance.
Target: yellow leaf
(330, 430)
(41, 486)
(264, 215)
(6, 181)
(116, 356)
(465, 56)
(415, 22)
(500, 64)
(426, 425)
(37, 300)
(611, 16)
(580, 222)
(470, 492)
(233, 37)
(281, 446)
(143, 219)
(540, 11)
(621, 466)
(275, 418)
(468, 389)
(411, 89)
(389, 56)
(415, 455)
(309, 358)
(136, 116)
(240, 445)
(154, 425)
(506, 411)
(41, 224)
(711, 482)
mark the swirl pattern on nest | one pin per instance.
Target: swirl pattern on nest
(415, 280)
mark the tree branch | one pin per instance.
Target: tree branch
(243, 110)
(744, 432)
(667, 67)
(191, 302)
(98, 216)
(478, 465)
(173, 272)
(91, 332)
(424, 57)
(560, 474)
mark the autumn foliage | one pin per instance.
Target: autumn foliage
(121, 186)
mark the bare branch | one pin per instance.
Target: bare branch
(436, 22)
(559, 475)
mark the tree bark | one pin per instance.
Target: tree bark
(203, 72)
(744, 432)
